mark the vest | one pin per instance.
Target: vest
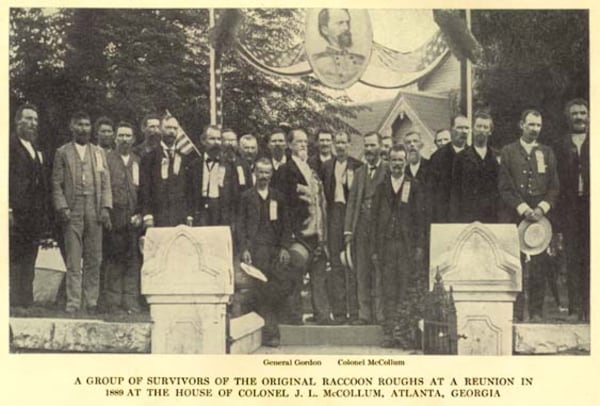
(84, 175)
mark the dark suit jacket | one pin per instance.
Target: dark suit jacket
(267, 154)
(142, 149)
(359, 193)
(440, 182)
(63, 177)
(242, 175)
(521, 181)
(474, 195)
(229, 193)
(423, 176)
(569, 165)
(286, 180)
(169, 200)
(328, 178)
(410, 216)
(423, 173)
(124, 186)
(248, 219)
(28, 190)
(317, 165)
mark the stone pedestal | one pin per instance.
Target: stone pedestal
(481, 263)
(187, 278)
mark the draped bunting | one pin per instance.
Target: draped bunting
(387, 68)
(390, 69)
(292, 62)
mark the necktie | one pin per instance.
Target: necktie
(372, 171)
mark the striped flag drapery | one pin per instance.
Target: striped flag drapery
(392, 69)
(291, 62)
(387, 68)
(183, 144)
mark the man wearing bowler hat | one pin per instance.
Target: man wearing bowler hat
(265, 235)
(528, 184)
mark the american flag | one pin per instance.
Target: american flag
(278, 59)
(413, 61)
(432, 50)
(183, 143)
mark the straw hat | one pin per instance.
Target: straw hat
(535, 236)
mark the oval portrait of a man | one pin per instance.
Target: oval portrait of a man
(338, 44)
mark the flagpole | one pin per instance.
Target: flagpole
(213, 81)
(469, 84)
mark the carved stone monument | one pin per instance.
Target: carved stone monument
(187, 279)
(481, 263)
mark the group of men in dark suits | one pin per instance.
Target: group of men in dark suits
(291, 213)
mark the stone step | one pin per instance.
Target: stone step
(568, 339)
(334, 350)
(78, 335)
(331, 335)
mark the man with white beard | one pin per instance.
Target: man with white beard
(305, 201)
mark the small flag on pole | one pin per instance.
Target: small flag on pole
(183, 143)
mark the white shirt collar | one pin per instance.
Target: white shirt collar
(80, 150)
(527, 147)
(481, 151)
(277, 163)
(299, 161)
(342, 164)
(324, 158)
(457, 149)
(263, 193)
(414, 168)
(397, 183)
(374, 166)
(304, 168)
(125, 158)
(28, 147)
(166, 148)
(578, 140)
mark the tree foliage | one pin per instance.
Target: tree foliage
(531, 59)
(126, 63)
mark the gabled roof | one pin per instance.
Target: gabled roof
(430, 109)
(371, 117)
